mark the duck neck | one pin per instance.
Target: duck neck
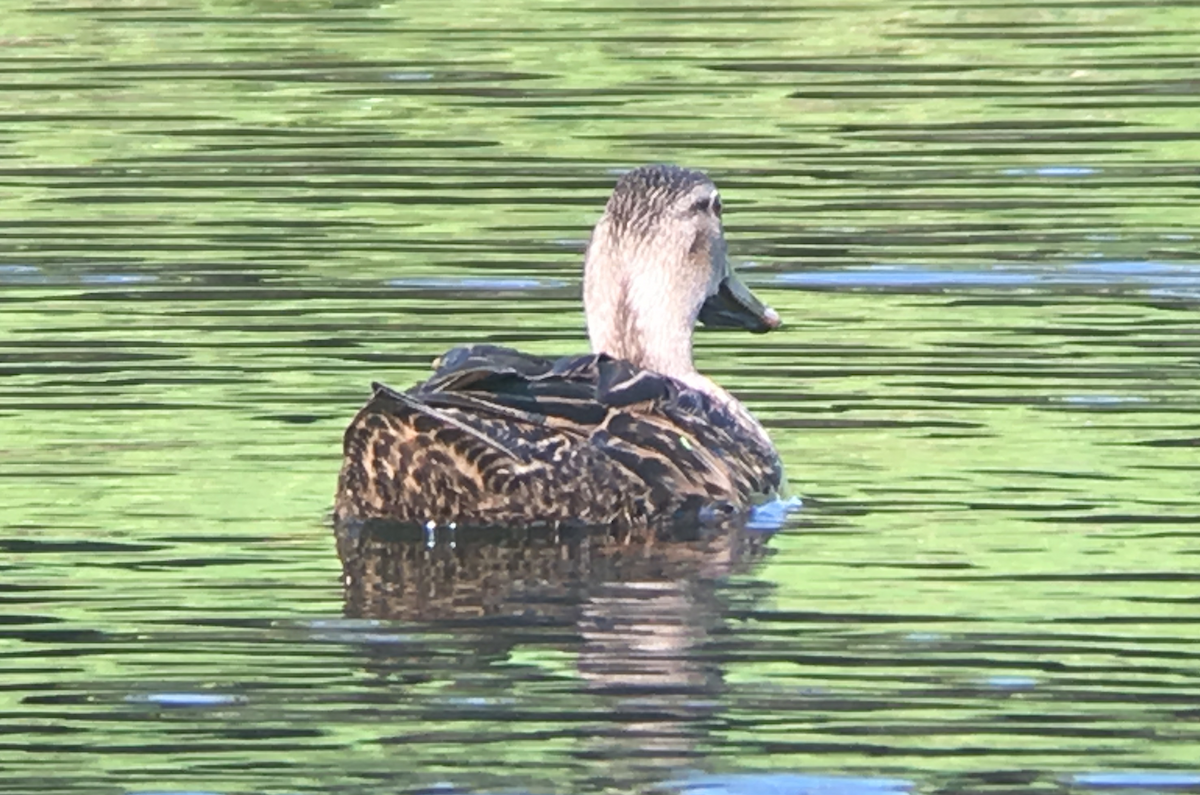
(644, 326)
(643, 329)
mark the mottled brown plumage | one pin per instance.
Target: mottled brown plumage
(629, 436)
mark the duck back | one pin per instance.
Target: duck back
(498, 438)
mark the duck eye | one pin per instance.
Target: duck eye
(701, 205)
(716, 205)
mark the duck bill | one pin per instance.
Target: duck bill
(734, 306)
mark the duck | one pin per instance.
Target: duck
(629, 436)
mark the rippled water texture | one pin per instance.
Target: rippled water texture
(220, 221)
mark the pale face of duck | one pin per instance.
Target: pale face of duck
(656, 264)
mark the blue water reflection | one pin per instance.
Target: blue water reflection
(1181, 279)
(477, 284)
(787, 784)
(1148, 780)
(1051, 171)
(187, 699)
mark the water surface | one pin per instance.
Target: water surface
(220, 221)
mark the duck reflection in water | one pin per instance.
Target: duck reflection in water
(635, 615)
(629, 436)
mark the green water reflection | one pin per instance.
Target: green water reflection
(220, 221)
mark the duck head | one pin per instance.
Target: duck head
(656, 265)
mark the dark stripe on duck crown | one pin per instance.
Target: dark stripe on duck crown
(645, 192)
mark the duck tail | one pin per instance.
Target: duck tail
(408, 462)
